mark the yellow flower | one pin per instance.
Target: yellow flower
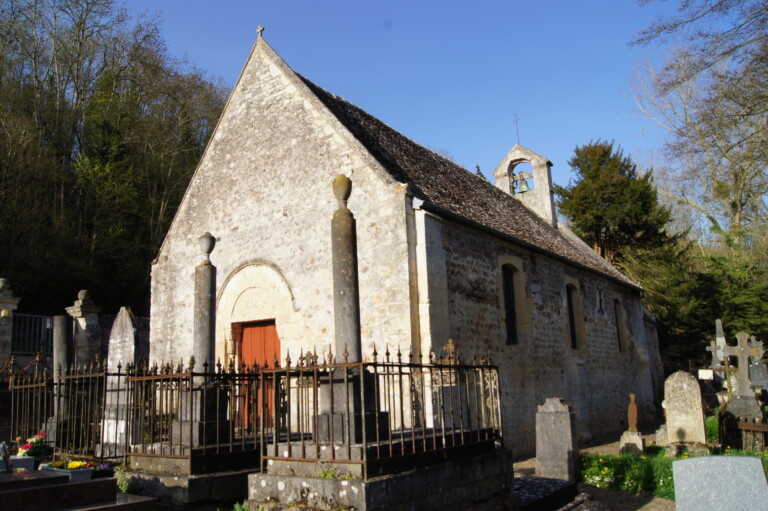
(74, 465)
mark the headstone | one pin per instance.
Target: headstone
(743, 403)
(717, 345)
(557, 450)
(685, 417)
(662, 439)
(758, 375)
(735, 483)
(122, 351)
(631, 441)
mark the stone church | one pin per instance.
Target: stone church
(442, 253)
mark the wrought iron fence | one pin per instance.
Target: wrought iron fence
(32, 334)
(383, 415)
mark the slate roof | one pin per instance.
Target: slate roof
(452, 188)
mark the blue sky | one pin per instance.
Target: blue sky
(451, 75)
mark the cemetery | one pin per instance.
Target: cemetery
(343, 319)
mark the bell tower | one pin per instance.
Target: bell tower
(534, 189)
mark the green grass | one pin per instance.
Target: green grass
(650, 473)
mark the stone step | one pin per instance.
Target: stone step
(121, 502)
(58, 496)
(543, 493)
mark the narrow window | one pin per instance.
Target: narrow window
(621, 336)
(508, 282)
(569, 291)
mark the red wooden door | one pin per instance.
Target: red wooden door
(260, 345)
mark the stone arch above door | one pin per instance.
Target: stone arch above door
(255, 291)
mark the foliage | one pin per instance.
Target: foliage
(100, 132)
(610, 205)
(712, 429)
(630, 472)
(647, 473)
(711, 98)
(127, 483)
(241, 507)
(328, 471)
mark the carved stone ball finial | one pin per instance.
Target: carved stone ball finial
(84, 295)
(5, 284)
(205, 245)
(342, 188)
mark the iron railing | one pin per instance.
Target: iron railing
(382, 416)
(32, 334)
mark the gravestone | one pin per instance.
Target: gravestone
(557, 450)
(735, 483)
(631, 441)
(758, 375)
(685, 417)
(743, 403)
(122, 351)
(716, 346)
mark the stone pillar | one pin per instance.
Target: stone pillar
(8, 304)
(557, 449)
(343, 420)
(87, 332)
(346, 297)
(203, 341)
(62, 346)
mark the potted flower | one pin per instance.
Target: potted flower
(77, 470)
(103, 470)
(27, 452)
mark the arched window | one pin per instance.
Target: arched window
(510, 312)
(514, 307)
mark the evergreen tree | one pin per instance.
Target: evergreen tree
(610, 205)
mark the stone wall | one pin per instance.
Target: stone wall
(595, 379)
(263, 190)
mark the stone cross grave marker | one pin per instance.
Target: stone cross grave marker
(746, 348)
(736, 483)
(717, 345)
(685, 417)
(557, 450)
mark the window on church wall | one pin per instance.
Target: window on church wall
(515, 316)
(621, 325)
(574, 303)
(570, 291)
(510, 313)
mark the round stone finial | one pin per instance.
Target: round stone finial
(84, 295)
(205, 245)
(5, 284)
(342, 187)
